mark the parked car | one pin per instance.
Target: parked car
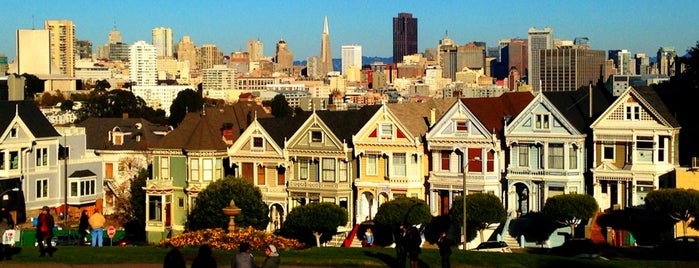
(493, 246)
(129, 240)
(575, 247)
(680, 246)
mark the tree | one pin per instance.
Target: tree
(102, 85)
(482, 210)
(280, 107)
(186, 101)
(570, 209)
(207, 212)
(32, 85)
(403, 210)
(67, 105)
(316, 219)
(136, 223)
(678, 204)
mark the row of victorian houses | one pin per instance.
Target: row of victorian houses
(520, 147)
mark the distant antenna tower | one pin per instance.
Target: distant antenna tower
(33, 22)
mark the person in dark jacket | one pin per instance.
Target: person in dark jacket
(174, 259)
(244, 258)
(401, 253)
(444, 245)
(204, 259)
(6, 223)
(83, 227)
(273, 259)
(412, 246)
(44, 232)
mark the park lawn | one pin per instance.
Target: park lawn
(331, 257)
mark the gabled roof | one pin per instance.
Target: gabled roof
(491, 111)
(575, 105)
(655, 102)
(281, 129)
(97, 133)
(82, 173)
(30, 114)
(344, 124)
(416, 115)
(204, 130)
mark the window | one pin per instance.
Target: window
(372, 164)
(14, 160)
(542, 121)
(109, 170)
(386, 130)
(633, 112)
(573, 158)
(2, 160)
(219, 167)
(342, 171)
(164, 168)
(461, 126)
(42, 188)
(608, 151)
(328, 169)
(303, 169)
(257, 143)
(155, 208)
(118, 138)
(194, 169)
(42, 157)
(399, 165)
(604, 185)
(556, 156)
(74, 189)
(662, 148)
(180, 202)
(446, 157)
(87, 187)
(644, 149)
(316, 136)
(13, 132)
(523, 155)
(208, 166)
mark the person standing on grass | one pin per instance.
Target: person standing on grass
(96, 222)
(44, 232)
(6, 223)
(244, 258)
(399, 238)
(83, 227)
(444, 245)
(412, 246)
(369, 238)
(174, 259)
(272, 260)
(204, 259)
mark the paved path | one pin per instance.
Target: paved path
(12, 264)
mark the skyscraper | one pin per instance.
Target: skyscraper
(114, 36)
(666, 60)
(162, 41)
(62, 42)
(143, 65)
(255, 49)
(567, 69)
(284, 57)
(33, 52)
(210, 56)
(538, 40)
(326, 58)
(187, 51)
(404, 36)
(351, 56)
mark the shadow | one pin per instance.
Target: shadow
(7, 253)
(390, 261)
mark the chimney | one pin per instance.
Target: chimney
(433, 116)
(125, 116)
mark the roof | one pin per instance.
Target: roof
(575, 105)
(97, 133)
(651, 96)
(491, 111)
(416, 115)
(344, 124)
(282, 128)
(82, 173)
(30, 114)
(205, 130)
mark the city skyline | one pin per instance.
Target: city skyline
(639, 26)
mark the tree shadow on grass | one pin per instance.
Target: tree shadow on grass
(391, 261)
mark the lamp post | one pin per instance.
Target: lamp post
(463, 199)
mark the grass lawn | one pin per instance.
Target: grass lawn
(332, 257)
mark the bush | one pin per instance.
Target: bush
(218, 239)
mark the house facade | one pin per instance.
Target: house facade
(634, 148)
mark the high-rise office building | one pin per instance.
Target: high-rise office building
(255, 49)
(114, 36)
(642, 63)
(666, 60)
(118, 51)
(210, 56)
(62, 42)
(567, 69)
(326, 58)
(447, 57)
(187, 51)
(143, 64)
(84, 49)
(517, 56)
(404, 36)
(162, 41)
(622, 61)
(582, 41)
(351, 56)
(538, 40)
(283, 57)
(471, 55)
(33, 55)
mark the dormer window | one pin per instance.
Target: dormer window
(316, 136)
(258, 144)
(118, 139)
(13, 132)
(542, 121)
(461, 126)
(386, 130)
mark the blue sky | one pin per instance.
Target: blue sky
(641, 26)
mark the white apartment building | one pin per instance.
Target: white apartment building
(351, 56)
(219, 82)
(162, 41)
(143, 65)
(159, 97)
